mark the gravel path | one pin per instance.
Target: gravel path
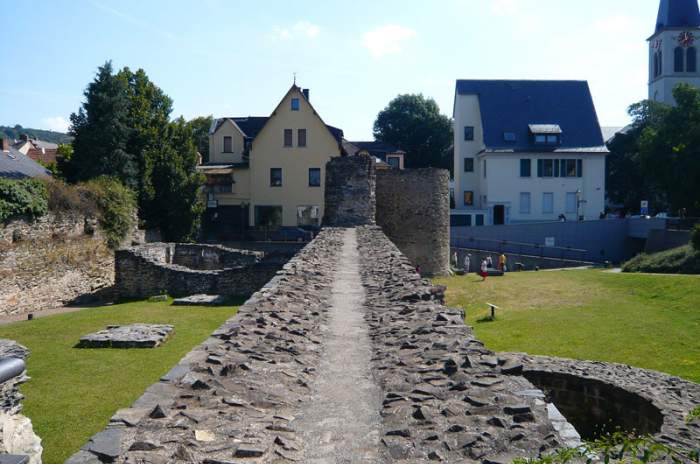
(341, 422)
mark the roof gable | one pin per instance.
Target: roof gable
(516, 106)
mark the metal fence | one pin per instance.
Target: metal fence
(531, 249)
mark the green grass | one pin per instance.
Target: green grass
(643, 320)
(681, 260)
(73, 392)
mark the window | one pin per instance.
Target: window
(479, 219)
(468, 133)
(269, 217)
(678, 59)
(228, 144)
(656, 64)
(314, 177)
(540, 138)
(468, 198)
(275, 177)
(553, 139)
(570, 168)
(288, 137)
(548, 168)
(301, 137)
(394, 162)
(468, 164)
(308, 216)
(524, 202)
(461, 220)
(484, 169)
(547, 203)
(571, 203)
(295, 104)
(579, 168)
(509, 136)
(661, 64)
(525, 168)
(691, 61)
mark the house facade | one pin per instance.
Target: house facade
(526, 151)
(673, 51)
(269, 172)
(386, 156)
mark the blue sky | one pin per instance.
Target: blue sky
(235, 58)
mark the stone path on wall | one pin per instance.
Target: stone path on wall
(341, 422)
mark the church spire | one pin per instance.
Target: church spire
(678, 13)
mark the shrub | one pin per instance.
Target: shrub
(64, 198)
(695, 237)
(117, 207)
(26, 197)
(682, 260)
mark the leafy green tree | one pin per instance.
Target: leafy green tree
(695, 241)
(200, 130)
(414, 124)
(174, 202)
(669, 150)
(101, 131)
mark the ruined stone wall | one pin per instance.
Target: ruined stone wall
(350, 191)
(144, 271)
(47, 227)
(413, 210)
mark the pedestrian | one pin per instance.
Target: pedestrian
(467, 263)
(484, 270)
(489, 262)
(455, 259)
(502, 260)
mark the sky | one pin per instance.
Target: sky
(238, 58)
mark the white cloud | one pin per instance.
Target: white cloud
(304, 29)
(386, 40)
(56, 123)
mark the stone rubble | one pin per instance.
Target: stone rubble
(128, 336)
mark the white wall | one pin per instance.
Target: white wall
(661, 88)
(467, 113)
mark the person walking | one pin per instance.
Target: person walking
(455, 259)
(467, 263)
(502, 260)
(484, 270)
(489, 262)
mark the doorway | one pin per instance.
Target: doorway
(499, 215)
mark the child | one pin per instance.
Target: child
(484, 270)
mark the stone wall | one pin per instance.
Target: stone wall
(413, 210)
(16, 432)
(182, 270)
(51, 261)
(350, 191)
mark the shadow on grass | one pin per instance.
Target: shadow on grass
(485, 320)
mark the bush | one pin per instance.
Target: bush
(26, 197)
(695, 237)
(116, 205)
(64, 198)
(682, 260)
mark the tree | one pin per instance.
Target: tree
(200, 130)
(174, 202)
(101, 131)
(414, 124)
(669, 150)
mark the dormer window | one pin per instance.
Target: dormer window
(546, 134)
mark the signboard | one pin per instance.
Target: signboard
(550, 241)
(645, 208)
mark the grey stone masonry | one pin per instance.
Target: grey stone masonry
(10, 396)
(183, 270)
(647, 401)
(128, 336)
(413, 210)
(350, 191)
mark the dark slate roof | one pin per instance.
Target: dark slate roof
(678, 13)
(513, 106)
(15, 165)
(252, 125)
(374, 148)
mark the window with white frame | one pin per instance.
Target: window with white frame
(228, 144)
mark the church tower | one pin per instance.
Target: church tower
(673, 49)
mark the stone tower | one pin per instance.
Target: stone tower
(673, 49)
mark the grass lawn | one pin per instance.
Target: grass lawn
(73, 392)
(642, 320)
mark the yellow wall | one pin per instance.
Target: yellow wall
(216, 144)
(240, 189)
(268, 152)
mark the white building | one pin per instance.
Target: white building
(673, 54)
(526, 151)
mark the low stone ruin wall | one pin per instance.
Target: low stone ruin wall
(413, 210)
(183, 270)
(593, 394)
(16, 432)
(44, 228)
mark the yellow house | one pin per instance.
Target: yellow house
(269, 172)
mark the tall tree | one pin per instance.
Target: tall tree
(414, 124)
(174, 201)
(101, 131)
(200, 129)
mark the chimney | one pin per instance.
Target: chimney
(306, 93)
(5, 144)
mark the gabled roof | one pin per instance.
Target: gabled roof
(515, 106)
(678, 13)
(374, 148)
(15, 165)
